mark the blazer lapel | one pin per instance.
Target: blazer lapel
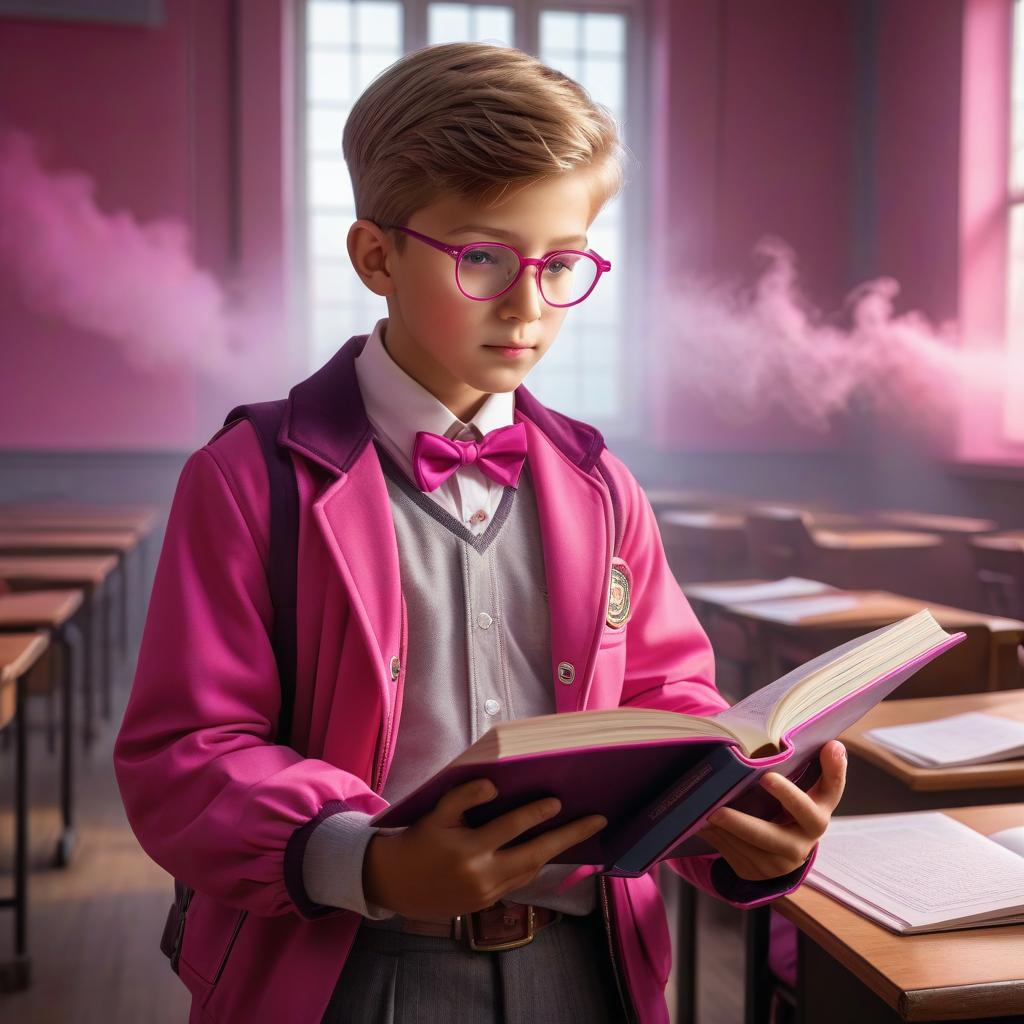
(575, 516)
(327, 424)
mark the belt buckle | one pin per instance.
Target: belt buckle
(494, 947)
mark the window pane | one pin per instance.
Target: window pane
(329, 77)
(583, 371)
(328, 21)
(379, 25)
(604, 34)
(559, 33)
(329, 183)
(323, 129)
(1017, 101)
(1013, 405)
(494, 25)
(328, 234)
(447, 23)
(602, 77)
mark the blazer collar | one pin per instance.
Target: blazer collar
(326, 420)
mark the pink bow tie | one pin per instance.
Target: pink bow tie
(500, 455)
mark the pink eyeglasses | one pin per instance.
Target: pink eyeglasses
(486, 270)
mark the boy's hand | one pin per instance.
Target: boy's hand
(758, 849)
(440, 867)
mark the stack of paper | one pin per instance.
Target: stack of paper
(922, 871)
(971, 738)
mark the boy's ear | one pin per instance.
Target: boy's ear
(369, 250)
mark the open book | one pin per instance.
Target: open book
(975, 737)
(922, 871)
(657, 775)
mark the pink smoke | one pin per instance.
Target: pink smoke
(751, 352)
(136, 284)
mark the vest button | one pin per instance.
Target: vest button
(492, 707)
(566, 673)
(396, 668)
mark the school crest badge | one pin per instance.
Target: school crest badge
(620, 587)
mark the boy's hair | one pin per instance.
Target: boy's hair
(471, 119)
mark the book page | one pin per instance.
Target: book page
(919, 869)
(971, 738)
(1011, 838)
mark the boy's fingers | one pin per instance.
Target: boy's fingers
(448, 810)
(507, 826)
(764, 835)
(538, 851)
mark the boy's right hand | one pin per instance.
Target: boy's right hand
(440, 867)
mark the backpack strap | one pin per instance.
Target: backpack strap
(282, 572)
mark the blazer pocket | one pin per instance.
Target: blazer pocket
(211, 930)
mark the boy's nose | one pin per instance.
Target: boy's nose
(524, 298)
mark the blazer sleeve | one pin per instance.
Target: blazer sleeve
(670, 666)
(208, 793)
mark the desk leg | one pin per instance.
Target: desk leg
(686, 952)
(758, 982)
(16, 974)
(108, 653)
(71, 659)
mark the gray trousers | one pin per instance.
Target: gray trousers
(564, 976)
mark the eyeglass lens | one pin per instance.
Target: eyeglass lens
(485, 271)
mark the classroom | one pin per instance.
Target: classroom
(660, 663)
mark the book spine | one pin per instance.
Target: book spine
(668, 817)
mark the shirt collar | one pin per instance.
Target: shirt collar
(398, 406)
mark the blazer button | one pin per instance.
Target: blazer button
(566, 673)
(396, 668)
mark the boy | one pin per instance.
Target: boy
(458, 543)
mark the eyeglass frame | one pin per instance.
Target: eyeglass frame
(456, 251)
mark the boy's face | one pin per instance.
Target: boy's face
(450, 344)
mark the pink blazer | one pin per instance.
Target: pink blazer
(217, 803)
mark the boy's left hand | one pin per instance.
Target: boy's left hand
(758, 849)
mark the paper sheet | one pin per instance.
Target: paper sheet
(970, 738)
(918, 870)
(791, 586)
(797, 609)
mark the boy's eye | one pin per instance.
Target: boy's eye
(470, 257)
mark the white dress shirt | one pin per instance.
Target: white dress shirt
(398, 406)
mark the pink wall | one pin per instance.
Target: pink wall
(753, 107)
(152, 116)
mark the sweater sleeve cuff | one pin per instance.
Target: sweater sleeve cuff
(744, 892)
(332, 866)
(323, 863)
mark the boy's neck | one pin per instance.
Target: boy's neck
(463, 406)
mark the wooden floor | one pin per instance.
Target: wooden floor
(95, 926)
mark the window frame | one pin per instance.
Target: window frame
(636, 205)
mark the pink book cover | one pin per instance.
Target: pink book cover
(657, 794)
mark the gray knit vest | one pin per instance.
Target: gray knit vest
(479, 642)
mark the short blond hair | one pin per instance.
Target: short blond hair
(472, 119)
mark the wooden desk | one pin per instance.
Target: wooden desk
(89, 573)
(54, 611)
(919, 780)
(986, 660)
(19, 654)
(853, 971)
(703, 543)
(907, 519)
(123, 543)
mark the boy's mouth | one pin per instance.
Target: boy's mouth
(510, 351)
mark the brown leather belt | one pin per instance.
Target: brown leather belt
(503, 925)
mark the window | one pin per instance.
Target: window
(587, 372)
(1013, 411)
